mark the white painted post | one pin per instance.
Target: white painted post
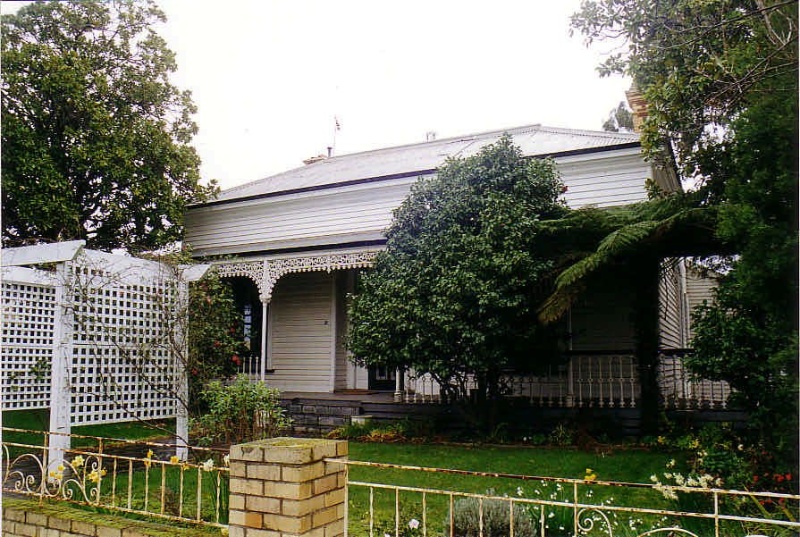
(264, 365)
(181, 279)
(398, 391)
(60, 403)
(181, 379)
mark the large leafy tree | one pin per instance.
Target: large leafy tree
(95, 138)
(465, 268)
(720, 81)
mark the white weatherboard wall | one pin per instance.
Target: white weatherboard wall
(302, 332)
(361, 212)
(672, 310)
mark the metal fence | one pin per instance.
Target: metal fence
(591, 379)
(121, 475)
(522, 506)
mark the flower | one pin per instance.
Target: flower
(77, 462)
(95, 476)
(671, 463)
(590, 475)
(227, 460)
(208, 465)
(174, 459)
(224, 531)
(413, 523)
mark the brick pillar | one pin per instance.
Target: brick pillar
(281, 487)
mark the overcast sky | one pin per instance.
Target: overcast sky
(269, 76)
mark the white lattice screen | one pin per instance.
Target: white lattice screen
(114, 331)
(29, 314)
(122, 347)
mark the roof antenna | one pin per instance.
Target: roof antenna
(337, 126)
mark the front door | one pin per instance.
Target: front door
(381, 378)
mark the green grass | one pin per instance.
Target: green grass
(622, 465)
(39, 420)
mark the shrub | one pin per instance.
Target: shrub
(240, 412)
(562, 435)
(496, 519)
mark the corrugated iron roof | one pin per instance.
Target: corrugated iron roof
(534, 140)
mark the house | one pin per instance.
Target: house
(293, 243)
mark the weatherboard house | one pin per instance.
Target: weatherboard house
(293, 244)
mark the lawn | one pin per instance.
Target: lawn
(621, 465)
(39, 420)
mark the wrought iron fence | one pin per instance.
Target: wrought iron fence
(122, 475)
(555, 507)
(601, 379)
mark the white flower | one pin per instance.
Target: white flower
(671, 463)
(413, 523)
(520, 492)
(653, 478)
(208, 465)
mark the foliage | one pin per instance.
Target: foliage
(720, 81)
(240, 412)
(697, 64)
(748, 337)
(214, 336)
(396, 431)
(456, 290)
(619, 119)
(496, 518)
(96, 139)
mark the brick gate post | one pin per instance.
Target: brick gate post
(282, 487)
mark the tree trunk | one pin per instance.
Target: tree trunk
(645, 279)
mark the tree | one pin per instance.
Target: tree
(95, 138)
(720, 81)
(619, 119)
(456, 290)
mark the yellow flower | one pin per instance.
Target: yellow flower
(77, 462)
(662, 440)
(95, 476)
(60, 468)
(174, 459)
(149, 454)
(590, 475)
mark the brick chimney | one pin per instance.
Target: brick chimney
(638, 106)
